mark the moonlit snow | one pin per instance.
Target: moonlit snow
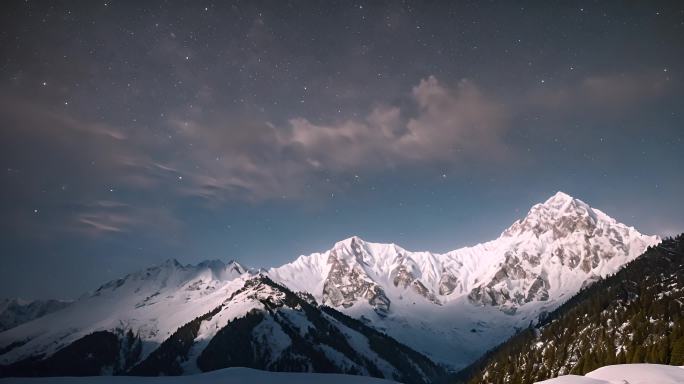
(626, 374)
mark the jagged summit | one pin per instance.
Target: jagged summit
(560, 215)
(562, 202)
(560, 246)
(559, 196)
(350, 242)
(171, 262)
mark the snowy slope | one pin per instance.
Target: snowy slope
(626, 374)
(152, 302)
(223, 376)
(175, 320)
(266, 326)
(455, 306)
(17, 311)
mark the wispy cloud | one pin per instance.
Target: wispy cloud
(261, 161)
(216, 157)
(613, 92)
(107, 217)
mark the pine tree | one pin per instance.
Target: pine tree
(677, 355)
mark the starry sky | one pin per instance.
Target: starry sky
(133, 132)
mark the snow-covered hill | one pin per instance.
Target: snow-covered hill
(153, 303)
(222, 376)
(17, 311)
(626, 374)
(174, 319)
(457, 305)
(451, 307)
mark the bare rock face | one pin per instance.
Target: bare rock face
(402, 277)
(347, 282)
(515, 283)
(538, 291)
(512, 286)
(422, 290)
(447, 283)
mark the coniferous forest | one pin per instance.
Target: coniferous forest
(633, 316)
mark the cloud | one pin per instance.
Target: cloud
(450, 125)
(217, 156)
(456, 123)
(105, 217)
(459, 125)
(262, 161)
(605, 93)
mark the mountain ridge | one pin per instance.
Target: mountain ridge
(451, 307)
(16, 311)
(559, 247)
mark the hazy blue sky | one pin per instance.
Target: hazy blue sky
(132, 132)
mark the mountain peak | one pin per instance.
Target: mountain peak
(564, 204)
(171, 262)
(349, 242)
(560, 196)
(560, 214)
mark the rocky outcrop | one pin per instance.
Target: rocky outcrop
(512, 285)
(447, 283)
(345, 284)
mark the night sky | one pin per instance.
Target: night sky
(133, 132)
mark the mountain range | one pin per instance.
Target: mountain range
(360, 307)
(17, 311)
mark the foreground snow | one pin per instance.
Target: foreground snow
(222, 376)
(626, 374)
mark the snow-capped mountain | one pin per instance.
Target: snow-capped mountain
(152, 302)
(633, 316)
(17, 311)
(450, 307)
(174, 319)
(457, 305)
